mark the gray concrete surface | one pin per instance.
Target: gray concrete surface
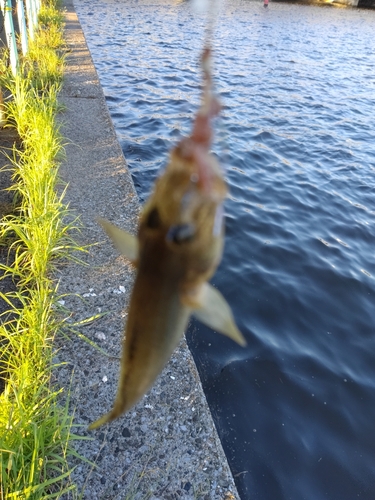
(167, 446)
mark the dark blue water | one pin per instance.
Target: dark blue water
(295, 409)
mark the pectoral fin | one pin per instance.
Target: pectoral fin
(123, 241)
(216, 313)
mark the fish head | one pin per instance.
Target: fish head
(185, 212)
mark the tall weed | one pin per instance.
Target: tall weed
(35, 431)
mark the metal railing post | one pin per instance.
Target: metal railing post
(35, 12)
(22, 24)
(10, 36)
(31, 24)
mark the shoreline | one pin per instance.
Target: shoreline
(167, 446)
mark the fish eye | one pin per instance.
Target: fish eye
(153, 219)
(181, 233)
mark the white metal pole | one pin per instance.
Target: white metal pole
(30, 18)
(35, 13)
(11, 39)
(22, 24)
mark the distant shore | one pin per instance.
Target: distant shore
(365, 4)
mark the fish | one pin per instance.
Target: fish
(177, 250)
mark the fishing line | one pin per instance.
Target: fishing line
(221, 138)
(211, 9)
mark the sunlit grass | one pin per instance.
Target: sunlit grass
(44, 63)
(35, 431)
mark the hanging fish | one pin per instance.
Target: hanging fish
(178, 248)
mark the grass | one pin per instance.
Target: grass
(35, 431)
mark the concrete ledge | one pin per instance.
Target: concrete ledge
(167, 446)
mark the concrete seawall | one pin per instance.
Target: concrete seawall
(167, 446)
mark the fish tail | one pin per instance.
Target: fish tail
(118, 409)
(108, 417)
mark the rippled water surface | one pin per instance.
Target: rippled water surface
(295, 409)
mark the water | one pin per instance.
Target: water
(295, 409)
